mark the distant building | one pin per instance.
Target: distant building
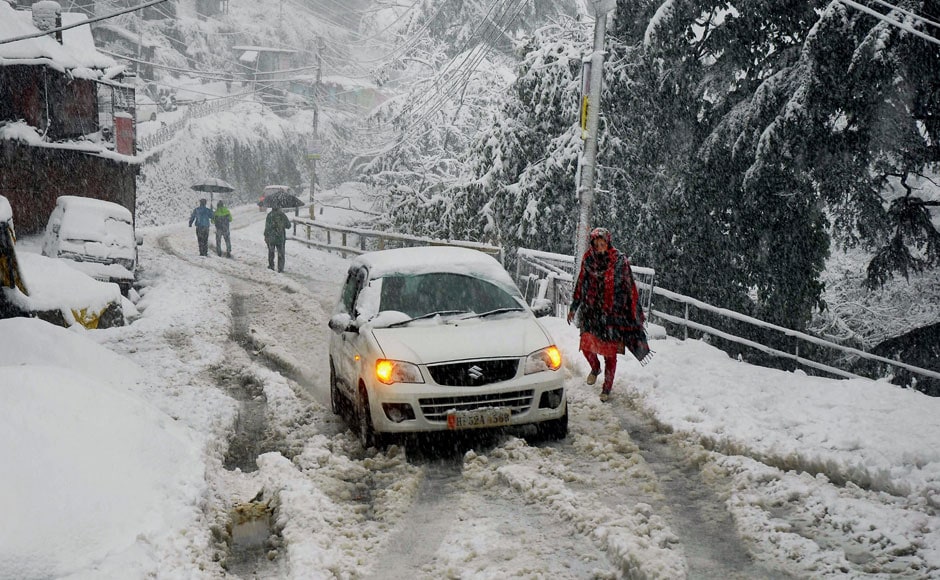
(55, 137)
(207, 8)
(267, 70)
(121, 40)
(340, 91)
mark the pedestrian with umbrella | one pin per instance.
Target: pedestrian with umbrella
(212, 185)
(276, 225)
(202, 217)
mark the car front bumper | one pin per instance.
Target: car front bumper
(424, 407)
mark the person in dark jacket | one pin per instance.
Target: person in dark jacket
(275, 236)
(202, 217)
(222, 218)
(607, 303)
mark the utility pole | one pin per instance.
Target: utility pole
(313, 150)
(588, 162)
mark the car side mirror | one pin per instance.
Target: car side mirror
(342, 322)
(542, 307)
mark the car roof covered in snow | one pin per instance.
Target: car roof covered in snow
(90, 219)
(428, 259)
(92, 205)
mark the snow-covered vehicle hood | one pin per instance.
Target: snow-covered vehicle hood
(104, 272)
(468, 339)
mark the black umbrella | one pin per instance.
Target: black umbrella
(281, 199)
(212, 185)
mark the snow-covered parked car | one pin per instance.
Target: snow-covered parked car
(440, 339)
(36, 286)
(96, 237)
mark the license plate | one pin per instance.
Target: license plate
(478, 418)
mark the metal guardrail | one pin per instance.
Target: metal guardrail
(168, 131)
(347, 240)
(550, 275)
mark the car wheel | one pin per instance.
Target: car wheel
(112, 316)
(556, 429)
(367, 435)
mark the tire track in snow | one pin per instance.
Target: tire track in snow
(421, 530)
(459, 528)
(697, 513)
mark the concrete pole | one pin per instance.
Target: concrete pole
(588, 159)
(316, 126)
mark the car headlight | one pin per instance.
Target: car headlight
(396, 371)
(547, 359)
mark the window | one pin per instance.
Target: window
(354, 281)
(416, 295)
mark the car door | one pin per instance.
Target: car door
(346, 343)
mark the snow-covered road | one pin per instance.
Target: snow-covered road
(700, 467)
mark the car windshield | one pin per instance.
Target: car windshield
(421, 295)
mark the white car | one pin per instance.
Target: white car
(33, 285)
(96, 237)
(440, 339)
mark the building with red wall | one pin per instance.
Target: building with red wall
(51, 139)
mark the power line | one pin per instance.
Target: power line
(897, 24)
(411, 42)
(481, 55)
(215, 96)
(397, 50)
(82, 23)
(329, 21)
(446, 75)
(199, 73)
(400, 16)
(908, 12)
(411, 131)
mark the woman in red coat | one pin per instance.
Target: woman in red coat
(608, 307)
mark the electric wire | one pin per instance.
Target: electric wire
(415, 39)
(82, 23)
(343, 27)
(436, 101)
(411, 131)
(397, 20)
(446, 74)
(897, 24)
(193, 72)
(907, 12)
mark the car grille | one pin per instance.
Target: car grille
(436, 408)
(474, 373)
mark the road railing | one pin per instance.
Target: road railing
(168, 131)
(347, 240)
(550, 276)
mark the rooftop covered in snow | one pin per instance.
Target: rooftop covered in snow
(76, 54)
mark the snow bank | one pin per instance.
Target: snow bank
(97, 468)
(53, 285)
